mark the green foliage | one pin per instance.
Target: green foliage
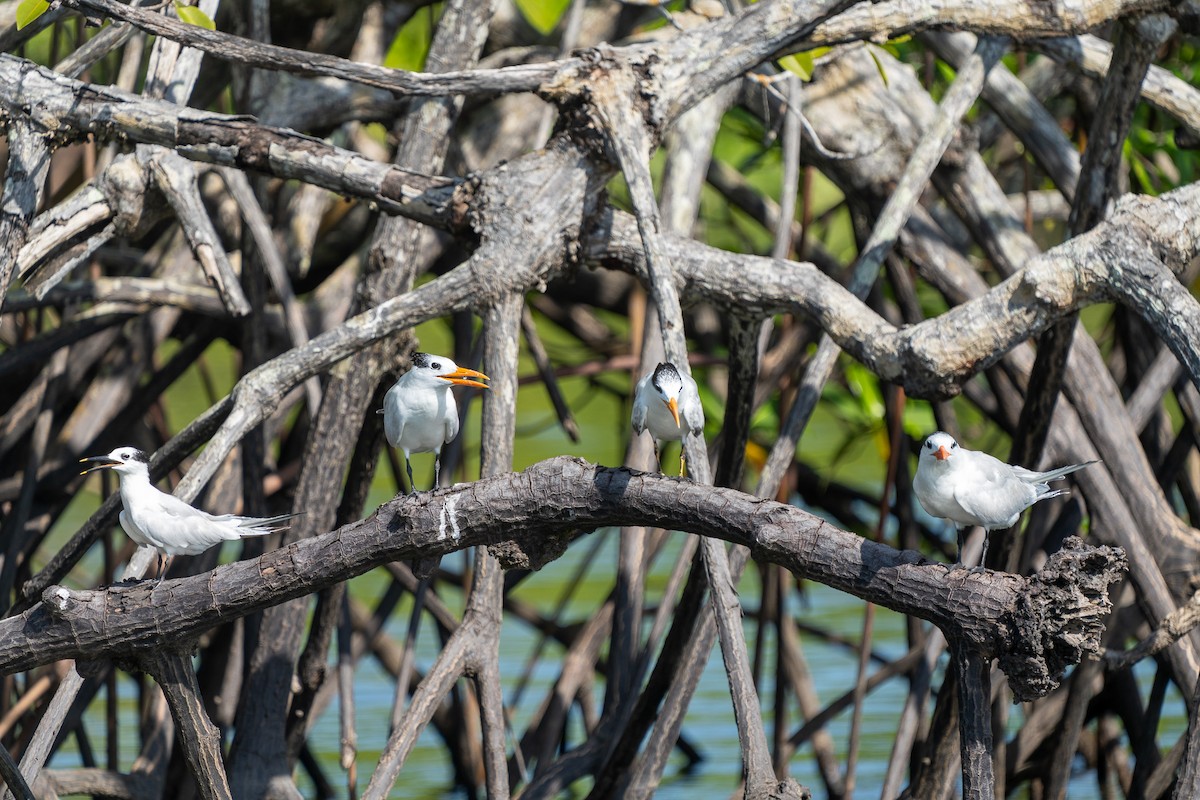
(542, 15)
(192, 15)
(410, 48)
(30, 10)
(896, 47)
(801, 64)
(879, 67)
(945, 71)
(1155, 158)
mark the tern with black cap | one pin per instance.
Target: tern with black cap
(667, 403)
(419, 412)
(153, 518)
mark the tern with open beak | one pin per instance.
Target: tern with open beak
(969, 488)
(153, 518)
(667, 403)
(419, 412)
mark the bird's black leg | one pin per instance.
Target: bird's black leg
(412, 486)
(982, 565)
(962, 542)
(657, 460)
(162, 566)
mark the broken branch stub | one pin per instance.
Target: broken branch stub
(1059, 620)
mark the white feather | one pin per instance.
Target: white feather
(153, 518)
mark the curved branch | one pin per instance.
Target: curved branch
(1124, 259)
(522, 78)
(1161, 88)
(996, 614)
(71, 108)
(751, 36)
(1025, 19)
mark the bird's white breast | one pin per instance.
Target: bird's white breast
(972, 489)
(934, 487)
(417, 421)
(660, 422)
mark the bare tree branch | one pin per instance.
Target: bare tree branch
(547, 503)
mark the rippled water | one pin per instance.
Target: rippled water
(709, 722)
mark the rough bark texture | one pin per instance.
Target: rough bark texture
(1041, 626)
(231, 186)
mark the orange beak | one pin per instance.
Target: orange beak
(942, 453)
(673, 407)
(462, 377)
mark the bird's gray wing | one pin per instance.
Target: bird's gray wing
(1029, 476)
(257, 526)
(177, 509)
(638, 418)
(190, 530)
(450, 421)
(691, 411)
(268, 524)
(132, 530)
(994, 498)
(393, 416)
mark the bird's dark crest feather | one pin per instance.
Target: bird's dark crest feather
(666, 370)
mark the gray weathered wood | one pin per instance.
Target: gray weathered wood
(537, 502)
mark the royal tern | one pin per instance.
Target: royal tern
(667, 404)
(968, 487)
(419, 412)
(153, 518)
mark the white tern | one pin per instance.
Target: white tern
(419, 412)
(667, 403)
(153, 518)
(969, 488)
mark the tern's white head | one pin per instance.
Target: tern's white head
(439, 371)
(939, 447)
(123, 460)
(668, 384)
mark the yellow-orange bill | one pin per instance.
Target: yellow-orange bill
(462, 377)
(673, 406)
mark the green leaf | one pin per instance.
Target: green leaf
(918, 419)
(865, 386)
(194, 16)
(1137, 165)
(411, 44)
(542, 15)
(879, 66)
(29, 10)
(801, 64)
